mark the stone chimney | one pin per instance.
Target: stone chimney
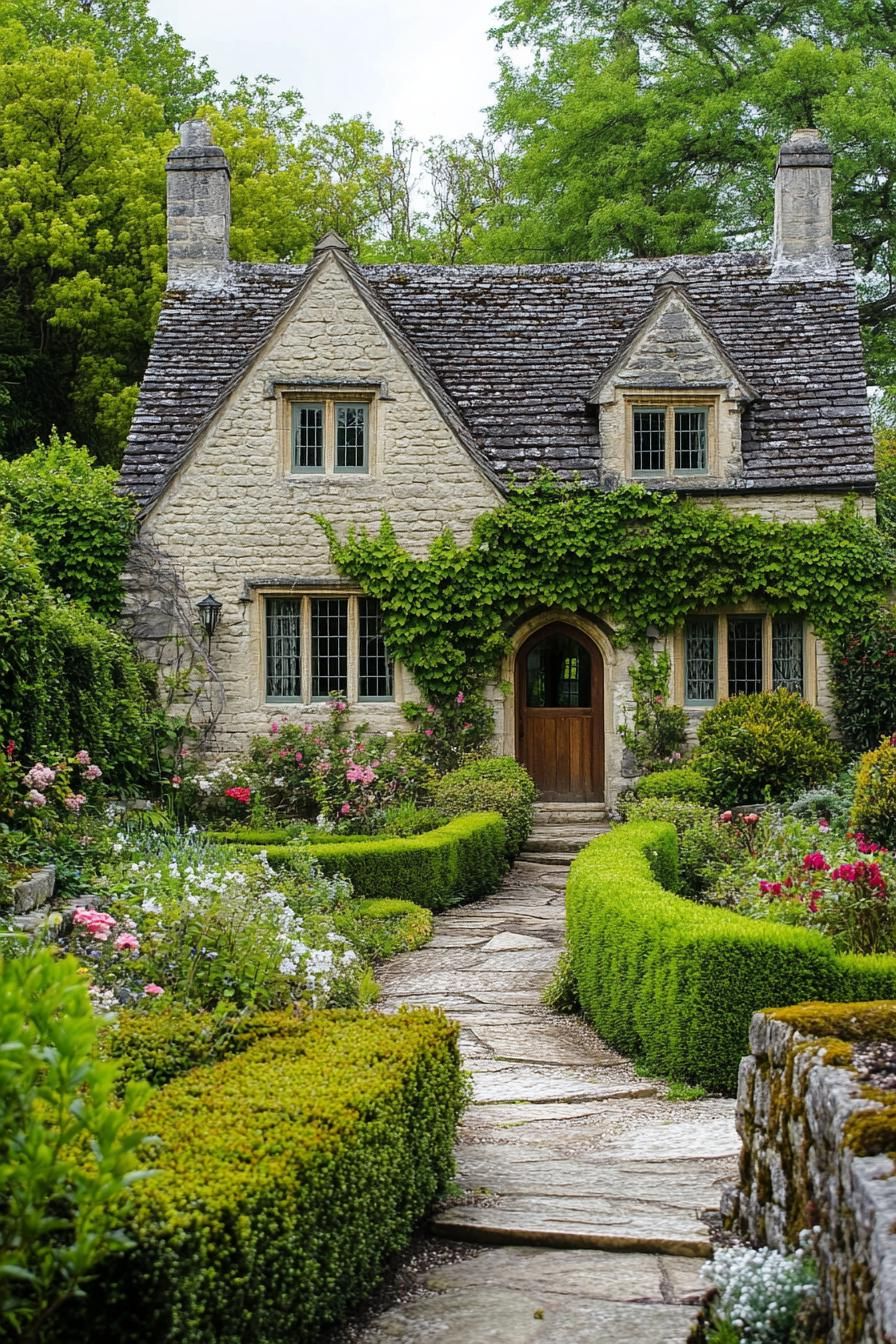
(198, 209)
(803, 243)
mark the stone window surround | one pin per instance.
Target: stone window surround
(651, 399)
(327, 394)
(261, 590)
(810, 687)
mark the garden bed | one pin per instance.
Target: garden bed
(676, 983)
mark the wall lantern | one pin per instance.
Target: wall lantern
(651, 633)
(209, 614)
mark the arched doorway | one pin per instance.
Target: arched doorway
(560, 714)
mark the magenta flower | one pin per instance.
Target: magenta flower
(345, 809)
(275, 728)
(427, 732)
(298, 758)
(459, 698)
(153, 990)
(126, 942)
(815, 862)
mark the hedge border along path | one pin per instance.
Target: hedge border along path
(288, 1174)
(459, 861)
(674, 983)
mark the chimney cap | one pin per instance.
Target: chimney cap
(197, 150)
(806, 148)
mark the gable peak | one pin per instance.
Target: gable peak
(331, 242)
(671, 277)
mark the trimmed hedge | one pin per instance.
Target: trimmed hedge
(494, 784)
(685, 783)
(458, 862)
(288, 1175)
(675, 983)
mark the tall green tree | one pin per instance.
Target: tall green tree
(649, 127)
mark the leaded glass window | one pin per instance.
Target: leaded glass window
(329, 647)
(558, 674)
(307, 437)
(351, 437)
(700, 661)
(649, 434)
(283, 648)
(787, 654)
(690, 440)
(744, 655)
(375, 668)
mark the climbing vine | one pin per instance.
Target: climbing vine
(638, 558)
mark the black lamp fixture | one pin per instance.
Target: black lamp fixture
(652, 634)
(209, 614)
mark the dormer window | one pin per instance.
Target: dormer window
(330, 435)
(670, 438)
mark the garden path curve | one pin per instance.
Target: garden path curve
(589, 1194)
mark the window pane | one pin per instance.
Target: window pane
(374, 664)
(351, 438)
(283, 664)
(787, 654)
(700, 661)
(329, 646)
(307, 438)
(649, 428)
(558, 674)
(690, 440)
(744, 655)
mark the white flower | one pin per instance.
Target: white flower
(151, 907)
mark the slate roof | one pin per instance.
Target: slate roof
(516, 350)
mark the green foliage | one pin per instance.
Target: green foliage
(833, 802)
(863, 679)
(494, 784)
(381, 927)
(164, 1041)
(765, 747)
(289, 1174)
(561, 993)
(874, 806)
(685, 783)
(451, 730)
(68, 1149)
(81, 525)
(656, 734)
(408, 819)
(675, 983)
(704, 844)
(640, 558)
(626, 131)
(458, 862)
(67, 681)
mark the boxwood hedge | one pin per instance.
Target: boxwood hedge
(675, 983)
(286, 1176)
(457, 862)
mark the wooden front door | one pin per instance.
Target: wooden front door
(560, 717)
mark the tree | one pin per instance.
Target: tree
(651, 127)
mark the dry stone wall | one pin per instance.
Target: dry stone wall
(806, 1121)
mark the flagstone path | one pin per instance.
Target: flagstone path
(588, 1193)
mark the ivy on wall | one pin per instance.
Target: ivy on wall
(634, 557)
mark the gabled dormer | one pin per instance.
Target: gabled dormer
(671, 400)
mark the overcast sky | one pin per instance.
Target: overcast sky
(426, 63)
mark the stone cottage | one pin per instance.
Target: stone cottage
(274, 393)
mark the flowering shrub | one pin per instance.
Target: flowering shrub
(803, 874)
(705, 843)
(493, 784)
(762, 1294)
(447, 732)
(765, 747)
(203, 931)
(874, 805)
(340, 776)
(656, 732)
(209, 795)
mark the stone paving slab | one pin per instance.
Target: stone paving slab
(632, 1277)
(613, 1223)
(513, 1084)
(497, 1315)
(541, 1044)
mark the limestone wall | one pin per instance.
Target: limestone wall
(814, 1140)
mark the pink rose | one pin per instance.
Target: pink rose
(726, 816)
(459, 698)
(427, 732)
(275, 728)
(126, 942)
(153, 990)
(430, 709)
(82, 757)
(340, 706)
(751, 818)
(298, 758)
(345, 809)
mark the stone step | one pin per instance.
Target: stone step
(549, 858)
(561, 814)
(566, 839)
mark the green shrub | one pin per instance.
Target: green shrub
(458, 862)
(157, 1044)
(495, 784)
(380, 928)
(82, 523)
(833, 801)
(765, 747)
(656, 733)
(703, 844)
(675, 983)
(863, 680)
(408, 819)
(685, 783)
(289, 1174)
(874, 805)
(68, 1149)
